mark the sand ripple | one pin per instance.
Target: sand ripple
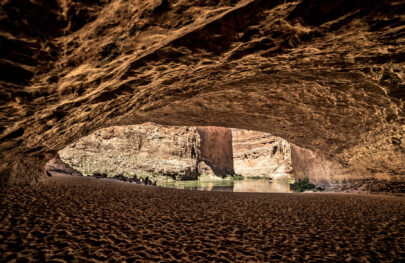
(65, 219)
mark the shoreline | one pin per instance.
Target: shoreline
(335, 188)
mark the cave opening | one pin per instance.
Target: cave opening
(188, 157)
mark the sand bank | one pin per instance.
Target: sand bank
(86, 219)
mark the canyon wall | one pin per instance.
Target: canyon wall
(261, 154)
(322, 171)
(331, 176)
(216, 149)
(149, 150)
(180, 152)
(313, 167)
(141, 150)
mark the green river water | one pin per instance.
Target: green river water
(246, 185)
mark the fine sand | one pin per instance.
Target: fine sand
(79, 219)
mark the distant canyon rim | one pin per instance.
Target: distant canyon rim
(328, 76)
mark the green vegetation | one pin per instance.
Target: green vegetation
(234, 177)
(291, 181)
(195, 184)
(255, 177)
(206, 177)
(237, 177)
(228, 177)
(304, 185)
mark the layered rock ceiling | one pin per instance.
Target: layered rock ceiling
(325, 75)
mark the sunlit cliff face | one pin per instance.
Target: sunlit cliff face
(325, 75)
(177, 152)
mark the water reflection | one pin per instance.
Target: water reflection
(262, 186)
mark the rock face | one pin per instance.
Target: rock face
(58, 166)
(325, 75)
(182, 153)
(216, 149)
(319, 170)
(334, 177)
(308, 165)
(261, 154)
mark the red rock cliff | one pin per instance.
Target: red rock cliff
(216, 149)
(318, 169)
(261, 154)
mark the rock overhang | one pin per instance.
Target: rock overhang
(333, 84)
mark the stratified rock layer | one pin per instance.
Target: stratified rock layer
(141, 150)
(325, 75)
(148, 150)
(261, 154)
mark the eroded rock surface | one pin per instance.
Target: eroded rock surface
(314, 167)
(325, 75)
(331, 176)
(216, 149)
(148, 150)
(56, 165)
(141, 150)
(261, 154)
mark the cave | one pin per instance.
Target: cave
(327, 76)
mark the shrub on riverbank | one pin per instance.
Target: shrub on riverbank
(304, 185)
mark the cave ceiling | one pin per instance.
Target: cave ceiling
(325, 75)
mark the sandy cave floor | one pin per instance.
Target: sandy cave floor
(86, 219)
